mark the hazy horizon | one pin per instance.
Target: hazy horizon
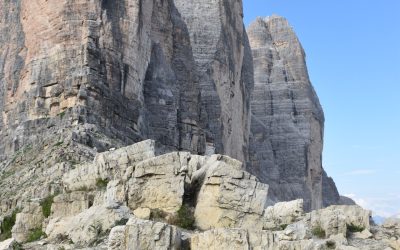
(353, 60)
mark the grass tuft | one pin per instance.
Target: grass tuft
(101, 183)
(7, 225)
(35, 235)
(184, 218)
(46, 205)
(319, 232)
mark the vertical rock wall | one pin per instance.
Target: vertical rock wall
(223, 59)
(287, 119)
(125, 67)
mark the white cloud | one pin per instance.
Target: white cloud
(385, 207)
(361, 172)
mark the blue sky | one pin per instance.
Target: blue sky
(353, 57)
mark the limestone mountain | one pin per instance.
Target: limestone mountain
(287, 122)
(160, 124)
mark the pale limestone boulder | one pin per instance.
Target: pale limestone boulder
(87, 226)
(296, 231)
(365, 234)
(157, 183)
(29, 219)
(108, 166)
(8, 244)
(115, 194)
(283, 214)
(69, 204)
(229, 197)
(140, 234)
(241, 239)
(142, 213)
(217, 239)
(332, 222)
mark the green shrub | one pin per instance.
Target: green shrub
(46, 205)
(184, 218)
(319, 232)
(101, 183)
(35, 235)
(330, 244)
(7, 225)
(283, 227)
(353, 228)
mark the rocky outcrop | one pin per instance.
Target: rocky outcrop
(287, 119)
(142, 198)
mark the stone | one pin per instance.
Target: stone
(8, 244)
(27, 221)
(69, 204)
(229, 197)
(142, 213)
(157, 183)
(336, 219)
(144, 234)
(282, 214)
(365, 234)
(287, 121)
(87, 227)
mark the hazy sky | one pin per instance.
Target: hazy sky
(353, 57)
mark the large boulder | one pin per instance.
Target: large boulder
(282, 214)
(29, 220)
(140, 234)
(229, 197)
(87, 227)
(157, 183)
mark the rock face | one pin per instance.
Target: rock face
(133, 70)
(223, 57)
(287, 119)
(125, 67)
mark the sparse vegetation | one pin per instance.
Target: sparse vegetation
(7, 225)
(354, 228)
(59, 143)
(101, 183)
(319, 232)
(283, 226)
(83, 189)
(158, 215)
(330, 244)
(62, 114)
(184, 218)
(46, 205)
(35, 235)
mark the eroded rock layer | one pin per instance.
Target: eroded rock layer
(287, 119)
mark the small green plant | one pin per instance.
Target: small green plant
(83, 189)
(319, 232)
(330, 244)
(7, 225)
(58, 144)
(101, 183)
(35, 235)
(354, 228)
(61, 248)
(283, 226)
(184, 218)
(46, 205)
(62, 114)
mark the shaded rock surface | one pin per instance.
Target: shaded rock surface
(287, 119)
